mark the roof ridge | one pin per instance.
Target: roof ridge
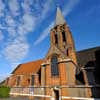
(87, 49)
(33, 61)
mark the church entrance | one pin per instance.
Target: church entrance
(56, 94)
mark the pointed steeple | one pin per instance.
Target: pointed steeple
(59, 17)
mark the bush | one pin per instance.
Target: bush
(4, 91)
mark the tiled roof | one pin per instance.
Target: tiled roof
(28, 68)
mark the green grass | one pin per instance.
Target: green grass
(4, 91)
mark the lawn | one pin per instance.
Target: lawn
(4, 91)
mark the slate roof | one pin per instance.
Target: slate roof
(87, 55)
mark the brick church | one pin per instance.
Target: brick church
(57, 76)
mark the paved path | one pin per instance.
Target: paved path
(16, 98)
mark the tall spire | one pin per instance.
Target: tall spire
(59, 17)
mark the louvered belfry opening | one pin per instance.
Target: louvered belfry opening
(56, 39)
(63, 35)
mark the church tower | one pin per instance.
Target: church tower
(59, 67)
(62, 38)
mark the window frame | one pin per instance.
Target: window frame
(18, 80)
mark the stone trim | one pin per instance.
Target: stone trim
(22, 94)
(62, 97)
(59, 61)
(64, 86)
(79, 98)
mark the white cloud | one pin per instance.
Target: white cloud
(1, 36)
(1, 27)
(12, 32)
(14, 65)
(11, 25)
(17, 47)
(2, 6)
(14, 7)
(21, 30)
(16, 50)
(46, 9)
(29, 22)
(70, 6)
(27, 25)
(44, 34)
(26, 6)
(4, 76)
(10, 21)
(32, 7)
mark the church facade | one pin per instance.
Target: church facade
(56, 77)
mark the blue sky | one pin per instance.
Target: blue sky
(25, 28)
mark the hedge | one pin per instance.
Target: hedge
(4, 91)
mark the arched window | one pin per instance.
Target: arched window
(54, 66)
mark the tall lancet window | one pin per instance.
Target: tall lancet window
(64, 36)
(54, 66)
